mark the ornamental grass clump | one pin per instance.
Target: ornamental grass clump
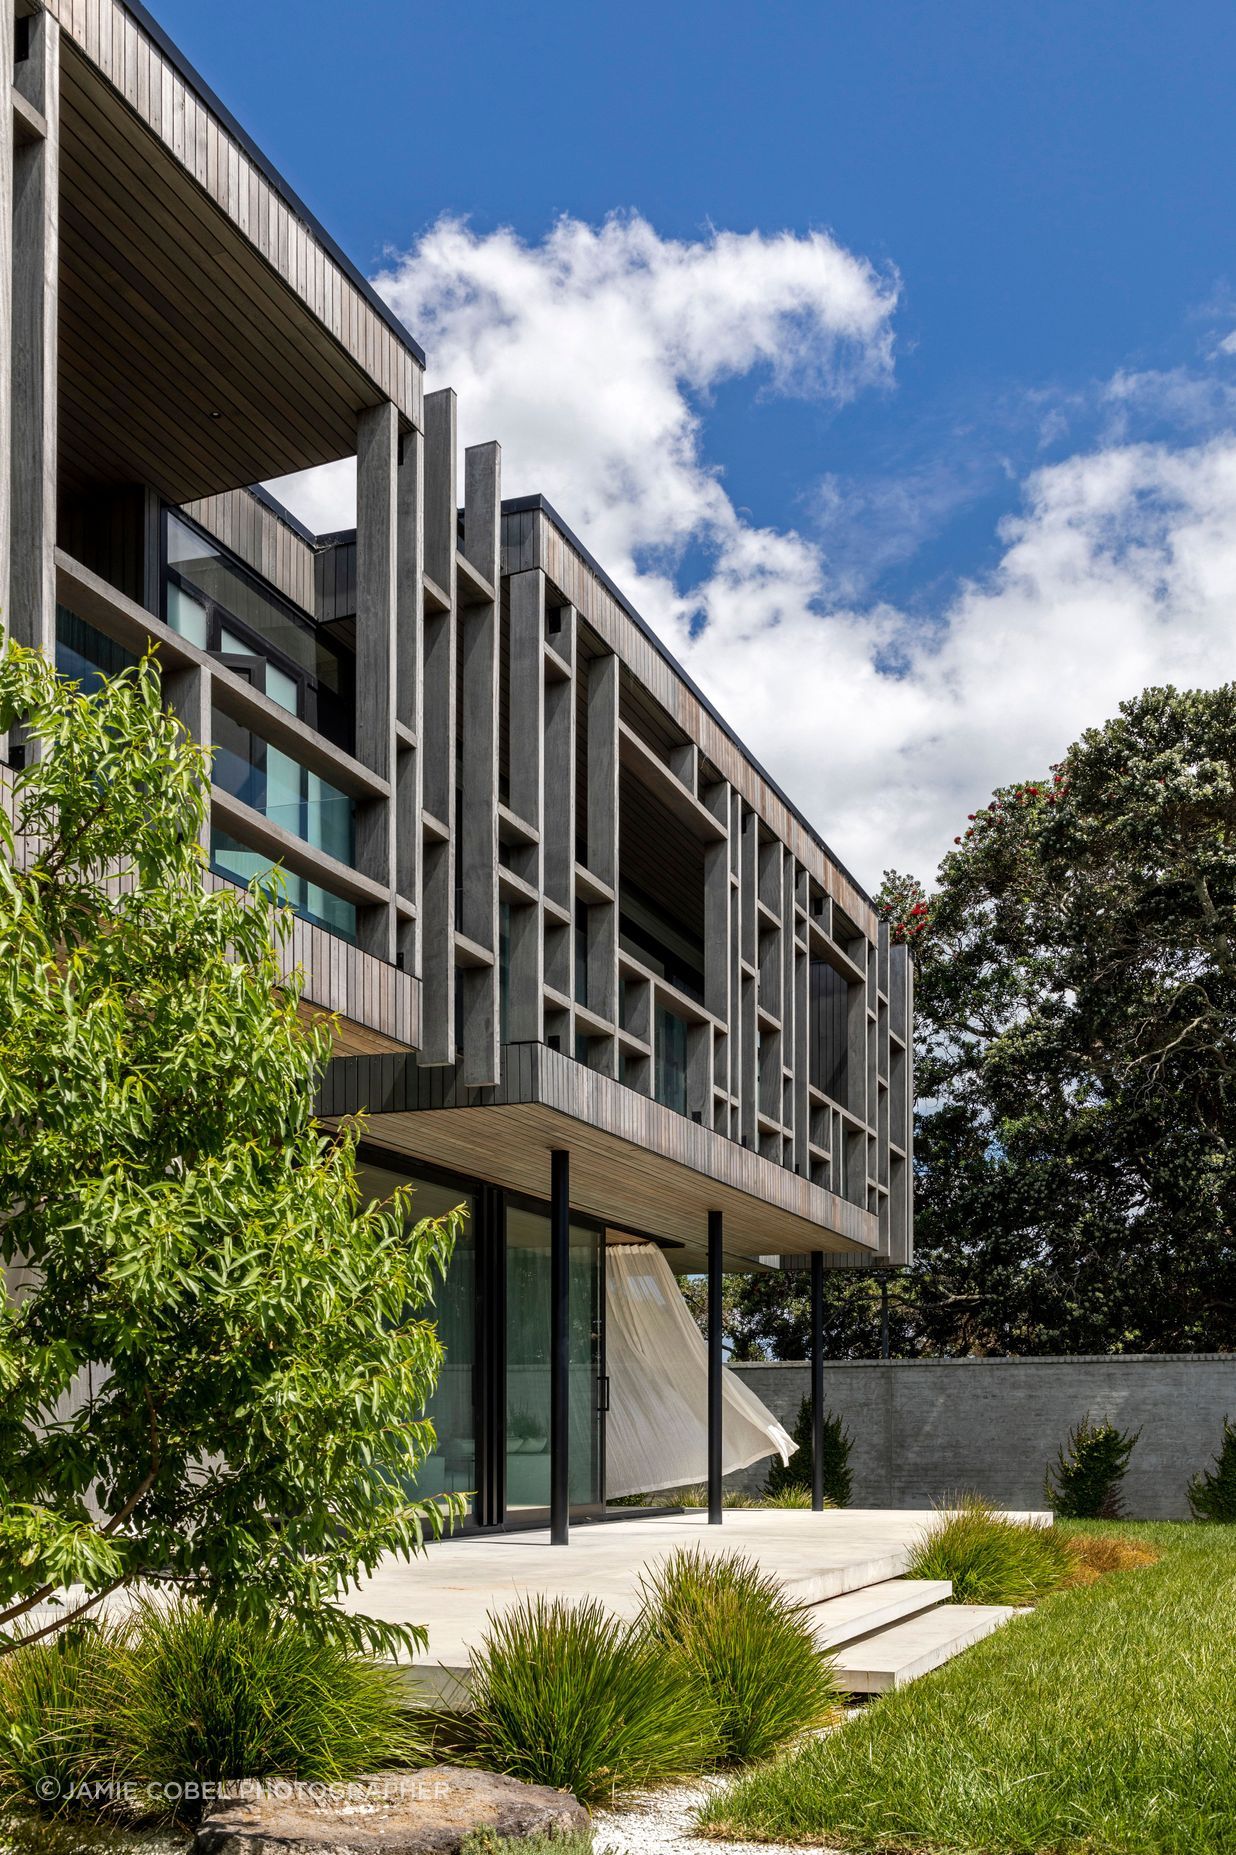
(990, 1557)
(745, 1645)
(199, 1696)
(52, 1719)
(570, 1696)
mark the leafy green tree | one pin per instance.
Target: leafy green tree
(1084, 1483)
(1076, 1049)
(214, 1358)
(835, 1456)
(1212, 1494)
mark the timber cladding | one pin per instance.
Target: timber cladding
(125, 46)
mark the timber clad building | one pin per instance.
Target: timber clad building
(594, 974)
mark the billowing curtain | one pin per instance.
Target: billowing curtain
(656, 1433)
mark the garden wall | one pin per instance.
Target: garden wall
(925, 1428)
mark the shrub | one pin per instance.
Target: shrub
(796, 1473)
(570, 1696)
(745, 1645)
(212, 1697)
(990, 1557)
(50, 1716)
(1212, 1495)
(1085, 1482)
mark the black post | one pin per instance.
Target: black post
(559, 1347)
(883, 1315)
(714, 1368)
(817, 1381)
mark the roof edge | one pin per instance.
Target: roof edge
(334, 250)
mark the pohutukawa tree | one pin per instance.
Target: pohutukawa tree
(1076, 1048)
(214, 1357)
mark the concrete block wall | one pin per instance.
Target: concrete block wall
(925, 1428)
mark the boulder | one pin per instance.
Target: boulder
(426, 1812)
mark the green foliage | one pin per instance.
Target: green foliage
(197, 1696)
(1085, 1481)
(795, 1496)
(1102, 1722)
(240, 1343)
(1075, 998)
(52, 1736)
(1212, 1494)
(569, 1696)
(990, 1557)
(746, 1647)
(796, 1473)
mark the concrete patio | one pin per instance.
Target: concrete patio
(819, 1558)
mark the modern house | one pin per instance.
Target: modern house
(594, 974)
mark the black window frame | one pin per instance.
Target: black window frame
(314, 700)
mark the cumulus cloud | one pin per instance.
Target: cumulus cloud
(591, 356)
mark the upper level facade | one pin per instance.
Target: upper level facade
(534, 873)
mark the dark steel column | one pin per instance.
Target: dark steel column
(883, 1315)
(714, 1368)
(817, 1381)
(559, 1347)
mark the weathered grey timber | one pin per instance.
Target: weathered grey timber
(7, 35)
(520, 842)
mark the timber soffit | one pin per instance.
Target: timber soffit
(97, 27)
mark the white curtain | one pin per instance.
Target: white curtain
(656, 1433)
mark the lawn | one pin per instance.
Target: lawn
(1103, 1723)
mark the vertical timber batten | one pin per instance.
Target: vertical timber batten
(31, 388)
(377, 465)
(478, 807)
(438, 735)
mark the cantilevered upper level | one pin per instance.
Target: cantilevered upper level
(547, 891)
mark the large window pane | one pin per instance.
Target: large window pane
(671, 1075)
(273, 783)
(451, 1467)
(527, 1362)
(84, 655)
(308, 899)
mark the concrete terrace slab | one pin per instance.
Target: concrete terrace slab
(459, 1582)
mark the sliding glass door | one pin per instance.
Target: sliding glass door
(527, 1364)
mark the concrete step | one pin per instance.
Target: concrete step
(894, 1656)
(823, 1582)
(846, 1619)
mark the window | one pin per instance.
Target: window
(276, 785)
(671, 1076)
(581, 953)
(307, 899)
(216, 604)
(84, 655)
(829, 1033)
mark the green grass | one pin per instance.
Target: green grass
(991, 1558)
(1102, 1724)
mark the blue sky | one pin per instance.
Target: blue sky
(1046, 189)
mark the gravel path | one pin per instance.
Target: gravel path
(662, 1822)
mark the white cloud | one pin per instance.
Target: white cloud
(590, 357)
